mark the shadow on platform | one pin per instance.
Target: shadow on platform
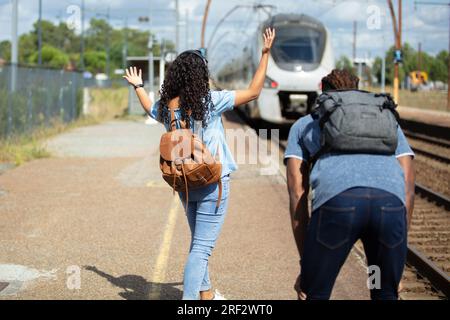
(138, 288)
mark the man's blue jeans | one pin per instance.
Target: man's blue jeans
(205, 222)
(376, 217)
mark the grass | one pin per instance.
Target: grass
(105, 104)
(427, 100)
(26, 147)
(108, 103)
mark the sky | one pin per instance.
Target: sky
(426, 24)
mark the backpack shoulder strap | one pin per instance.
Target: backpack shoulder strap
(326, 105)
(220, 193)
(389, 104)
(173, 119)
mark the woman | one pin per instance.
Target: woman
(186, 90)
(354, 196)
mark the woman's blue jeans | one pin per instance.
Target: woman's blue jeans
(205, 221)
(376, 217)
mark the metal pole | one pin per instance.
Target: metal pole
(82, 36)
(383, 69)
(419, 58)
(355, 30)
(14, 44)
(150, 55)
(400, 18)
(108, 43)
(161, 69)
(205, 19)
(187, 29)
(383, 74)
(177, 29)
(125, 45)
(151, 62)
(40, 34)
(397, 46)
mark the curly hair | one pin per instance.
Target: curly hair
(187, 78)
(340, 80)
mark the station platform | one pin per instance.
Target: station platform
(432, 117)
(96, 221)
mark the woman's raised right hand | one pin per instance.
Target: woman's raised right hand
(268, 37)
(133, 76)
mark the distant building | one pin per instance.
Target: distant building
(363, 68)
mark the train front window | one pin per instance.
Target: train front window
(298, 46)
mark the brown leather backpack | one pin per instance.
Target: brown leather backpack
(186, 162)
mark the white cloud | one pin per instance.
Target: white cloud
(426, 24)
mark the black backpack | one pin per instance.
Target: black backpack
(355, 121)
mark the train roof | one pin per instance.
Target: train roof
(283, 18)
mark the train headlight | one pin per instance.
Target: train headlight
(270, 83)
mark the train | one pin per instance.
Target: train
(301, 56)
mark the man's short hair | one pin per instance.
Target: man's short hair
(340, 80)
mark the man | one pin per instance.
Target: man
(355, 195)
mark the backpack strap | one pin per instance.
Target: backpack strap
(185, 186)
(389, 104)
(173, 120)
(327, 104)
(220, 193)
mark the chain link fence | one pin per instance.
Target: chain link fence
(38, 97)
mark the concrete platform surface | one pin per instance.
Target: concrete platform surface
(97, 222)
(433, 117)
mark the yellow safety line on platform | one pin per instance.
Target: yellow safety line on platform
(159, 271)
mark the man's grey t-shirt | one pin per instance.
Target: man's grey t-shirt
(334, 173)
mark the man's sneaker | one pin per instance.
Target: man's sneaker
(218, 296)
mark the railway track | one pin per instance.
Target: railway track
(429, 238)
(431, 155)
(433, 148)
(437, 141)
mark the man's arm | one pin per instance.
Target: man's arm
(407, 164)
(297, 173)
(254, 90)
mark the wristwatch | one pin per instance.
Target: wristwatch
(138, 86)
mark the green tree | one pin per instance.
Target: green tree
(95, 61)
(58, 36)
(344, 63)
(376, 68)
(27, 47)
(436, 67)
(51, 56)
(63, 45)
(5, 50)
(439, 68)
